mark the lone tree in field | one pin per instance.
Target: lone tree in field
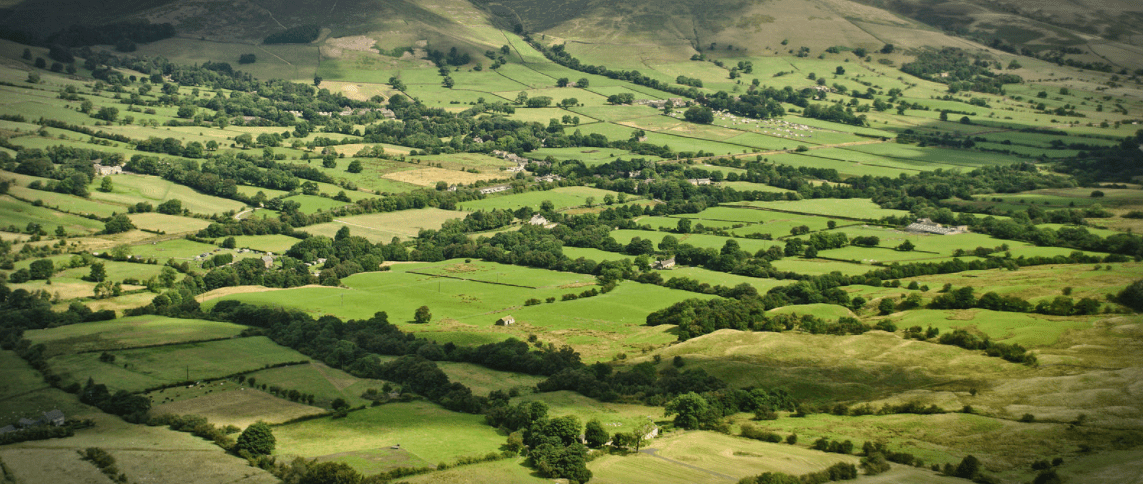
(117, 224)
(699, 114)
(98, 272)
(257, 439)
(422, 316)
(595, 435)
(691, 411)
(1132, 296)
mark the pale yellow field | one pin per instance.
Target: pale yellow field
(240, 407)
(427, 177)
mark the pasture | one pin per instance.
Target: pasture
(704, 456)
(426, 432)
(383, 227)
(129, 332)
(562, 198)
(325, 383)
(138, 369)
(856, 209)
(225, 403)
(132, 189)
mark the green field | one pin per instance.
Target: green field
(562, 198)
(383, 227)
(130, 332)
(888, 144)
(426, 433)
(137, 369)
(131, 189)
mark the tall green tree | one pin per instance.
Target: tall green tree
(257, 439)
(98, 272)
(423, 315)
(691, 411)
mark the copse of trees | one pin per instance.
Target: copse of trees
(79, 35)
(302, 34)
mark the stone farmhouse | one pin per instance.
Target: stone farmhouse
(927, 226)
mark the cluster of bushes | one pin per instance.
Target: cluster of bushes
(197, 426)
(302, 34)
(132, 407)
(963, 298)
(44, 432)
(837, 472)
(696, 317)
(752, 431)
(104, 461)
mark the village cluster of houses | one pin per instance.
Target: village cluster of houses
(54, 418)
(927, 226)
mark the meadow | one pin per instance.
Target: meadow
(129, 332)
(1088, 365)
(138, 369)
(426, 434)
(383, 227)
(561, 198)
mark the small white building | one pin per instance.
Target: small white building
(506, 321)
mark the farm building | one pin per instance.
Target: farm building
(7, 429)
(549, 178)
(665, 263)
(927, 226)
(699, 181)
(27, 423)
(506, 321)
(268, 260)
(54, 417)
(101, 170)
(495, 189)
(538, 219)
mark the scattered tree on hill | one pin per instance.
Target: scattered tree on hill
(691, 411)
(1132, 296)
(699, 114)
(422, 315)
(41, 269)
(331, 473)
(106, 185)
(247, 59)
(98, 272)
(256, 440)
(302, 34)
(118, 224)
(355, 166)
(595, 435)
(173, 206)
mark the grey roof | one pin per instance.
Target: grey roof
(7, 429)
